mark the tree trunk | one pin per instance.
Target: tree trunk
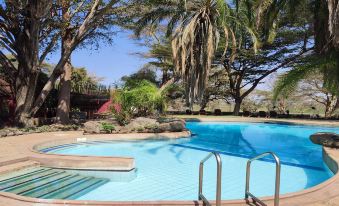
(66, 50)
(321, 27)
(236, 110)
(331, 106)
(28, 61)
(165, 77)
(64, 99)
(333, 24)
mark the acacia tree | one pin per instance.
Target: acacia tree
(25, 36)
(245, 70)
(105, 15)
(325, 28)
(314, 89)
(308, 78)
(161, 55)
(29, 33)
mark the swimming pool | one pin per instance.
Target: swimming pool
(168, 169)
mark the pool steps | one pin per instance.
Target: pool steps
(50, 183)
(12, 166)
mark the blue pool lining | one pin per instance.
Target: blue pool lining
(50, 149)
(250, 156)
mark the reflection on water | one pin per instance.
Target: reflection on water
(290, 143)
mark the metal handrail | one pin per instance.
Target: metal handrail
(277, 178)
(201, 174)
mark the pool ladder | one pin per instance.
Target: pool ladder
(248, 174)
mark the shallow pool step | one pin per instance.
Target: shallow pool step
(51, 184)
(29, 179)
(76, 189)
(10, 165)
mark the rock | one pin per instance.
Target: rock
(92, 127)
(10, 134)
(165, 127)
(3, 134)
(142, 123)
(325, 139)
(19, 132)
(177, 126)
(148, 125)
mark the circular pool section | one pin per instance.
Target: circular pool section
(169, 169)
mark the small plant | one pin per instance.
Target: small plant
(75, 109)
(107, 127)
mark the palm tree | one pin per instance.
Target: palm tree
(194, 44)
(195, 27)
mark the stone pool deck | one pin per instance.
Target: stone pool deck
(20, 152)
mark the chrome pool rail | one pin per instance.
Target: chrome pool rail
(277, 178)
(201, 174)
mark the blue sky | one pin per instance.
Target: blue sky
(112, 61)
(108, 61)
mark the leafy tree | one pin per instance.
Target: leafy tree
(30, 30)
(71, 17)
(309, 80)
(244, 69)
(82, 82)
(22, 32)
(325, 28)
(160, 53)
(134, 80)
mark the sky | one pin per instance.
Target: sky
(108, 61)
(111, 62)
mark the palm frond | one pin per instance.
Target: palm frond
(288, 82)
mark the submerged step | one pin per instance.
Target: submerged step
(23, 175)
(39, 192)
(67, 190)
(32, 179)
(51, 184)
(29, 185)
(80, 189)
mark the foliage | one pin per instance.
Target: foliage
(135, 79)
(142, 100)
(160, 57)
(108, 127)
(325, 26)
(195, 28)
(84, 83)
(288, 82)
(309, 79)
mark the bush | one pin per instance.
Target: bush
(143, 100)
(107, 127)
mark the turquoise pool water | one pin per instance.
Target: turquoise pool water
(168, 169)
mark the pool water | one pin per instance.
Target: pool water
(168, 169)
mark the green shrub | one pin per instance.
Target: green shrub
(108, 127)
(143, 100)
